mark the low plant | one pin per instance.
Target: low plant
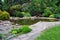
(51, 16)
(21, 30)
(25, 29)
(14, 31)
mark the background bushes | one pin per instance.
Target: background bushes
(43, 8)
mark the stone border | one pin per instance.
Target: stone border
(18, 18)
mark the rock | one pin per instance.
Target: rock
(1, 23)
(15, 39)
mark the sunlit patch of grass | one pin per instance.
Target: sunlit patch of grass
(50, 34)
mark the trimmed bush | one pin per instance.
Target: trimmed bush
(4, 15)
(14, 31)
(22, 30)
(50, 34)
(25, 29)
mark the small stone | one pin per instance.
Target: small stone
(1, 30)
(16, 39)
(16, 24)
(1, 23)
(22, 36)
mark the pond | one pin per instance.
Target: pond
(31, 21)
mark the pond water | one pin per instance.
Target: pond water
(32, 21)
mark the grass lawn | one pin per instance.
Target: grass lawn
(50, 34)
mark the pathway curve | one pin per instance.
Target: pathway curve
(36, 30)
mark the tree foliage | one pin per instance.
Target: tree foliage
(35, 7)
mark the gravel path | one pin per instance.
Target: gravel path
(6, 26)
(36, 30)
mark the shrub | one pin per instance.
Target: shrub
(22, 30)
(26, 14)
(47, 12)
(51, 16)
(57, 12)
(18, 14)
(15, 7)
(50, 34)
(25, 29)
(24, 7)
(4, 15)
(0, 11)
(14, 31)
(57, 15)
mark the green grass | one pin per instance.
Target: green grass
(50, 34)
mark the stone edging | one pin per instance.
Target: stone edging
(17, 18)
